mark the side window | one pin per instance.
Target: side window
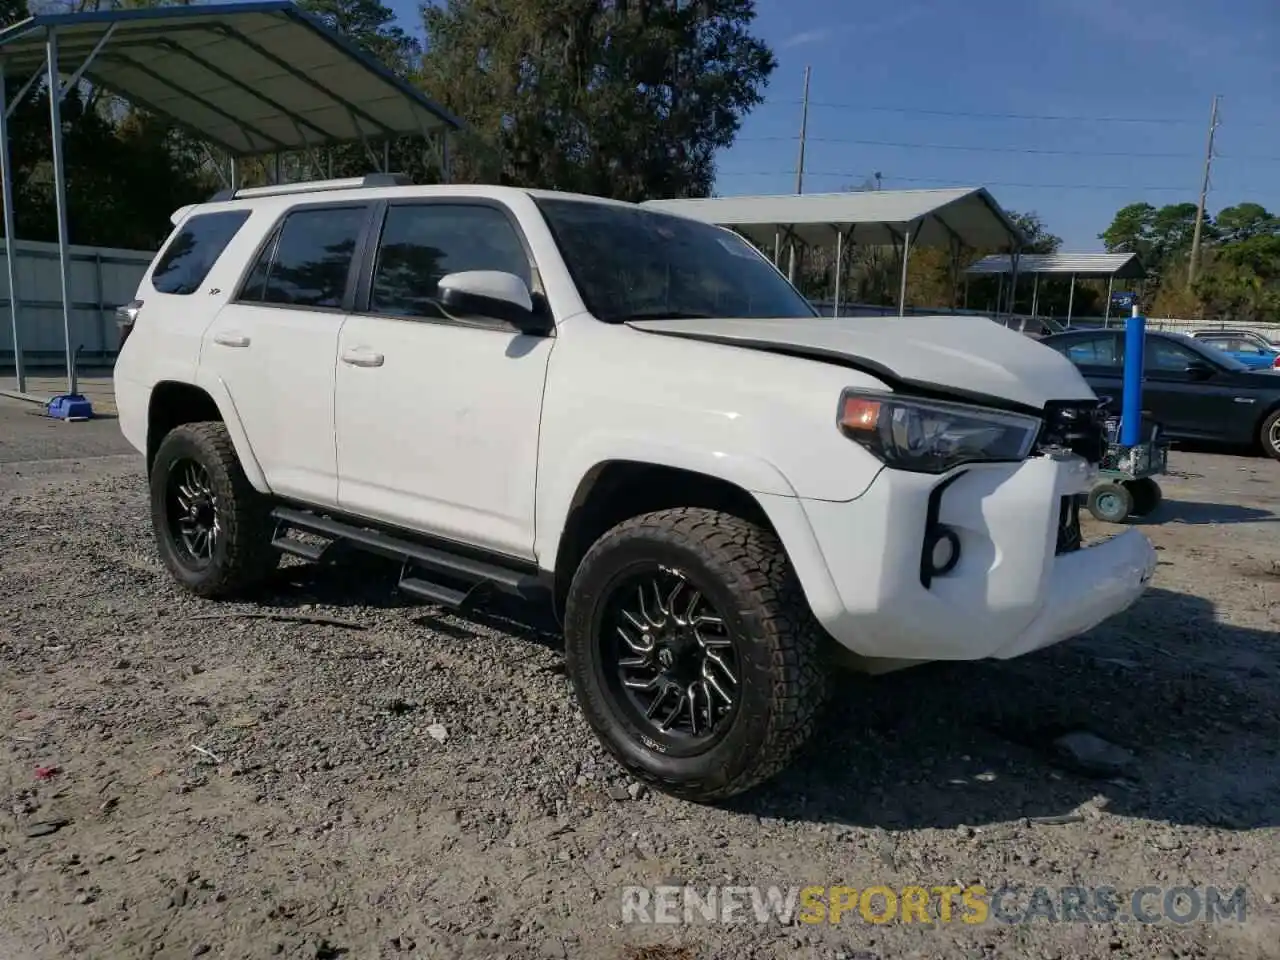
(191, 254)
(1103, 351)
(1164, 356)
(306, 262)
(421, 243)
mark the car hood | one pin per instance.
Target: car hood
(965, 356)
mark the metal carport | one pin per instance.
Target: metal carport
(904, 219)
(253, 79)
(1079, 266)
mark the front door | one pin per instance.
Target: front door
(275, 343)
(437, 418)
(1188, 405)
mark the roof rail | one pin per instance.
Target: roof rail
(314, 186)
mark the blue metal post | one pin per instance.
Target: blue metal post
(1131, 405)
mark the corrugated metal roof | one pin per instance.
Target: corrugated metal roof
(873, 217)
(1122, 266)
(254, 77)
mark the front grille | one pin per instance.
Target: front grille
(1076, 426)
(1069, 537)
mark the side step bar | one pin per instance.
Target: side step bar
(431, 573)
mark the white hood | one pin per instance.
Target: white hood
(964, 354)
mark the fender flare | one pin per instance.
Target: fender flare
(217, 389)
(568, 485)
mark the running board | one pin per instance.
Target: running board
(431, 573)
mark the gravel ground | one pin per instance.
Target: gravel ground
(403, 782)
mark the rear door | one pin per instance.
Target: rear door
(1100, 359)
(274, 345)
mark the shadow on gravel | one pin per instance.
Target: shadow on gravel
(1194, 512)
(1196, 701)
(949, 744)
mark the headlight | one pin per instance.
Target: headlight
(931, 436)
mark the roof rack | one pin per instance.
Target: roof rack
(314, 186)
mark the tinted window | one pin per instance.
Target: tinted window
(1101, 351)
(1167, 356)
(192, 253)
(632, 262)
(306, 264)
(420, 244)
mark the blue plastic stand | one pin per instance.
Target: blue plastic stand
(1131, 404)
(69, 406)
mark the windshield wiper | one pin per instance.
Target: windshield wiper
(662, 315)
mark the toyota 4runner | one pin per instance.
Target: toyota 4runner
(630, 414)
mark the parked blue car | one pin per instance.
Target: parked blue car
(1243, 345)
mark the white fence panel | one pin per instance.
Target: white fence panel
(102, 278)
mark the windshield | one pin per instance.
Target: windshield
(630, 263)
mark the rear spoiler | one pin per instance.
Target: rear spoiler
(181, 213)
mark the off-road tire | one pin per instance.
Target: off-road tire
(1269, 435)
(744, 571)
(243, 556)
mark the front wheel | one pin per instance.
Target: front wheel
(212, 527)
(1111, 502)
(1146, 495)
(1270, 435)
(693, 652)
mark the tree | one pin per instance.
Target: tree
(1037, 237)
(623, 98)
(1245, 221)
(371, 25)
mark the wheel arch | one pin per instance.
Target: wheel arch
(616, 490)
(1266, 414)
(175, 402)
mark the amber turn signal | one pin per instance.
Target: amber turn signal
(859, 415)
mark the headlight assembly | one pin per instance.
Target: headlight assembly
(932, 436)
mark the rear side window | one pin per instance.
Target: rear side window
(307, 261)
(196, 248)
(1101, 351)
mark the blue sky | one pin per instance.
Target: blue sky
(877, 69)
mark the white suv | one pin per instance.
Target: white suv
(630, 414)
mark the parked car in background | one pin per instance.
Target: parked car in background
(1195, 391)
(1251, 349)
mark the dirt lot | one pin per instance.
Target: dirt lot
(416, 784)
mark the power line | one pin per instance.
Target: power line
(952, 181)
(971, 114)
(979, 115)
(978, 149)
(1045, 151)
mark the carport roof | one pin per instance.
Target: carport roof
(253, 78)
(1121, 266)
(933, 218)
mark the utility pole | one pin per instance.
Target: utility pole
(804, 125)
(1204, 192)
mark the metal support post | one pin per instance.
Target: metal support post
(60, 199)
(10, 233)
(235, 173)
(1071, 299)
(839, 268)
(906, 259)
(1035, 295)
(1106, 319)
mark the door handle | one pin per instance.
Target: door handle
(362, 358)
(231, 339)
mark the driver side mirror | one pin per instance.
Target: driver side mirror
(1199, 370)
(496, 295)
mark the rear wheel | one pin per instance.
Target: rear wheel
(1270, 435)
(212, 527)
(693, 652)
(1146, 495)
